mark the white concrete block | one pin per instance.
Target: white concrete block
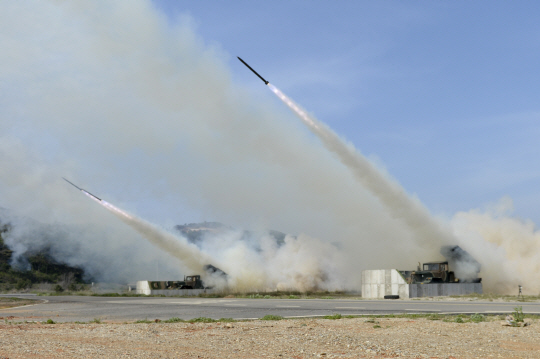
(143, 287)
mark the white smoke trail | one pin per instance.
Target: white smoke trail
(430, 233)
(507, 248)
(199, 162)
(241, 171)
(187, 253)
(299, 264)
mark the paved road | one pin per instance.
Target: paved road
(84, 308)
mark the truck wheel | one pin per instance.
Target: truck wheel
(444, 276)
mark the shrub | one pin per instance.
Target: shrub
(477, 318)
(228, 320)
(22, 284)
(202, 320)
(272, 317)
(518, 315)
(174, 320)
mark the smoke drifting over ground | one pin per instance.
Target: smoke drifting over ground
(260, 261)
(145, 114)
(508, 247)
(104, 253)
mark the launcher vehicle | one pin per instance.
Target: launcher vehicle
(189, 282)
(439, 272)
(432, 272)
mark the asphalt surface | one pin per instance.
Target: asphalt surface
(120, 309)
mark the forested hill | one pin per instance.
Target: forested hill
(42, 268)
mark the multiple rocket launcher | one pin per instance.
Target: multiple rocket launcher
(454, 253)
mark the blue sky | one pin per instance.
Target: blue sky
(122, 97)
(144, 104)
(444, 94)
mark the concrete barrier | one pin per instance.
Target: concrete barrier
(143, 287)
(443, 289)
(377, 283)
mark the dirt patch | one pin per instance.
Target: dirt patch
(301, 338)
(9, 302)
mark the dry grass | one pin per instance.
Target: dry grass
(498, 297)
(10, 302)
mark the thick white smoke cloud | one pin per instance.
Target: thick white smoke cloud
(259, 262)
(143, 113)
(507, 247)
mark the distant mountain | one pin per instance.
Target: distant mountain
(196, 233)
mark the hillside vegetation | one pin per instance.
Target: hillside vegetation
(43, 269)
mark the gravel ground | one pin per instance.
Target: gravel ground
(299, 338)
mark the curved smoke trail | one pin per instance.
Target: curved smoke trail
(187, 253)
(401, 206)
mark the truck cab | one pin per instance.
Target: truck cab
(192, 282)
(433, 272)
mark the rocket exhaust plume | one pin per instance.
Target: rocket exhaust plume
(400, 205)
(391, 194)
(186, 252)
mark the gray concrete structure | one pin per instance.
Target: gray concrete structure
(143, 287)
(443, 289)
(378, 283)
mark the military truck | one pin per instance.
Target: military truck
(192, 282)
(432, 272)
(189, 282)
(466, 267)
